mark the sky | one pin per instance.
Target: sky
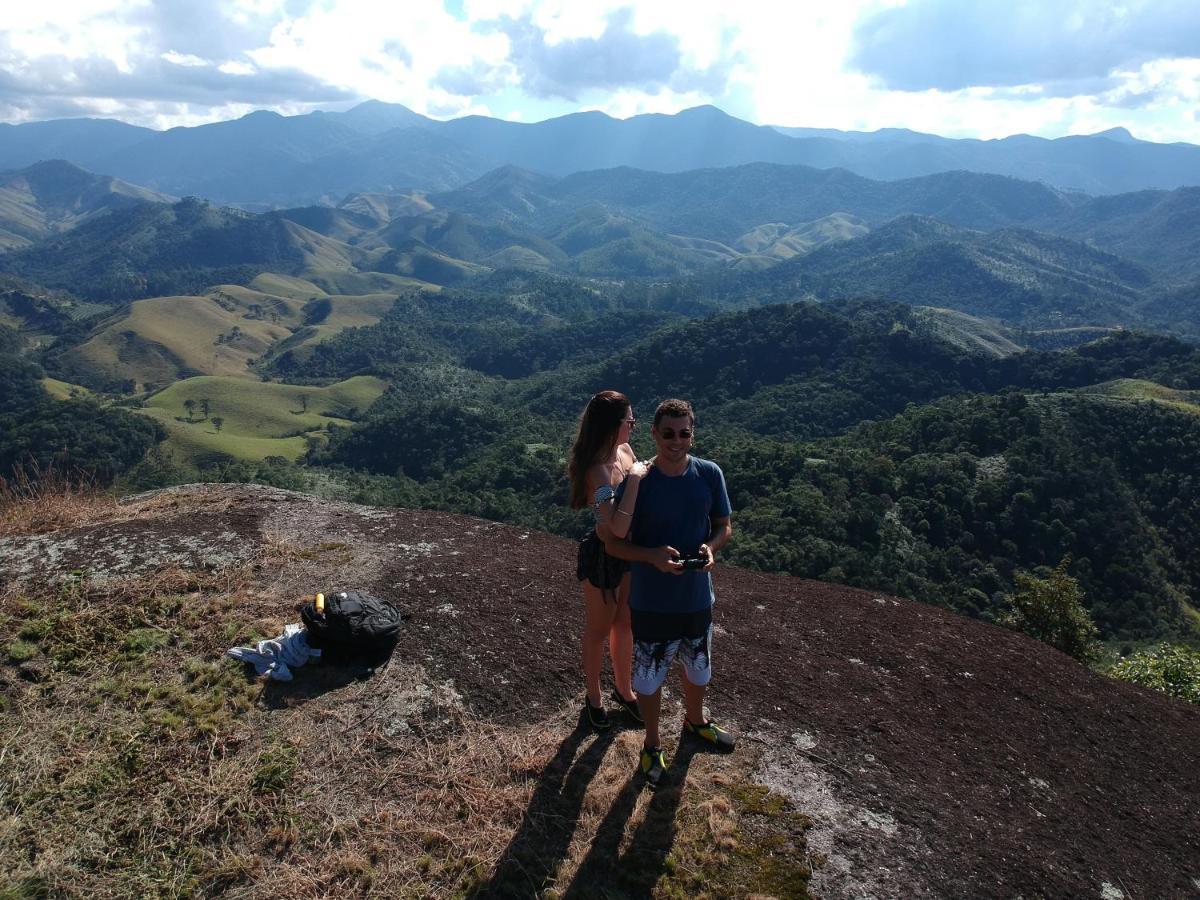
(960, 68)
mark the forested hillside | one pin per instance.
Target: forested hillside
(978, 467)
(156, 249)
(75, 437)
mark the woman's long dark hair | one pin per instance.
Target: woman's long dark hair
(598, 427)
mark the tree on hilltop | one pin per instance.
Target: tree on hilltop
(190, 406)
(217, 422)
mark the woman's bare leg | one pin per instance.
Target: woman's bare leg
(598, 622)
(620, 642)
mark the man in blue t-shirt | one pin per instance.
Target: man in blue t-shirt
(680, 518)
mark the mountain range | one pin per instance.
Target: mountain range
(985, 245)
(266, 160)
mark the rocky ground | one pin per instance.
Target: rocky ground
(934, 755)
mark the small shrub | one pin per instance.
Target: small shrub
(1051, 609)
(1170, 668)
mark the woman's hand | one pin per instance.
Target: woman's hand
(640, 469)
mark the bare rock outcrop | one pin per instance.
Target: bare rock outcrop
(938, 756)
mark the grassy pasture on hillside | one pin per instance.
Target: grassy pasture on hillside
(319, 251)
(776, 240)
(968, 333)
(64, 390)
(285, 286)
(225, 331)
(341, 282)
(260, 419)
(329, 314)
(166, 338)
(1134, 389)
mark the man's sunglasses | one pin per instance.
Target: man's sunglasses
(668, 434)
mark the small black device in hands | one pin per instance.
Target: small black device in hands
(693, 562)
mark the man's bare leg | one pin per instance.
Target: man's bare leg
(650, 706)
(693, 701)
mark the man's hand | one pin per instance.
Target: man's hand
(666, 559)
(706, 550)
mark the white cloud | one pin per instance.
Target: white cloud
(234, 67)
(948, 44)
(184, 59)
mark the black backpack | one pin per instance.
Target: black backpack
(353, 626)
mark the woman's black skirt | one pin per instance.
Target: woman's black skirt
(596, 566)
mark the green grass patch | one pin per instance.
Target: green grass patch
(19, 651)
(1134, 389)
(286, 286)
(741, 841)
(352, 311)
(968, 333)
(259, 419)
(131, 783)
(164, 338)
(276, 768)
(64, 390)
(335, 281)
(141, 641)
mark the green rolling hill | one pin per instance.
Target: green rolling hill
(156, 249)
(1020, 277)
(55, 196)
(1134, 390)
(260, 419)
(228, 331)
(160, 340)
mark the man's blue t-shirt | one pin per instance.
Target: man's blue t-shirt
(676, 510)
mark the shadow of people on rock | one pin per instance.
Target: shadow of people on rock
(544, 836)
(605, 872)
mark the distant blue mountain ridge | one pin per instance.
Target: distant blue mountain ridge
(265, 160)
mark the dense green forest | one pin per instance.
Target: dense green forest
(72, 437)
(946, 502)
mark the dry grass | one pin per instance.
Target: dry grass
(149, 766)
(37, 500)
